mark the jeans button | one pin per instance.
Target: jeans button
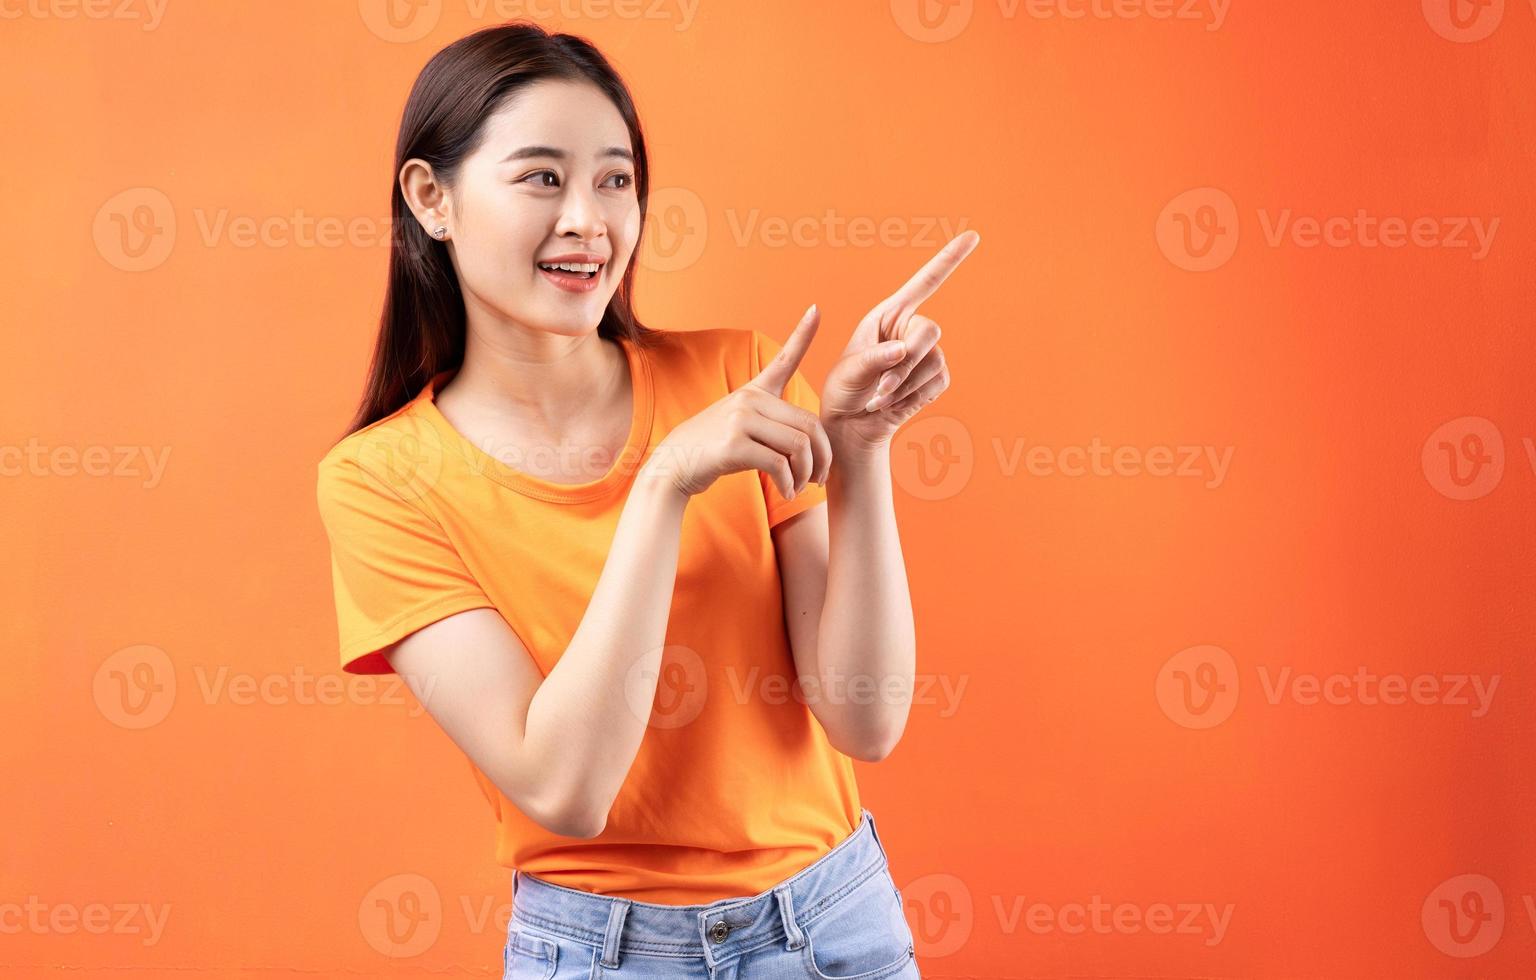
(719, 931)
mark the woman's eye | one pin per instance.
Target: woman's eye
(625, 180)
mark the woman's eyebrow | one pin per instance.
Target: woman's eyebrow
(559, 154)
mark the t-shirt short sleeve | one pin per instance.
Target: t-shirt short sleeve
(797, 392)
(392, 566)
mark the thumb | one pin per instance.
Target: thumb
(865, 368)
(777, 372)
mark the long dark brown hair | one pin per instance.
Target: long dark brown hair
(421, 330)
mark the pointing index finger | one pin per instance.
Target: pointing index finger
(933, 273)
(777, 372)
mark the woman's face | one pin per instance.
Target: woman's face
(553, 177)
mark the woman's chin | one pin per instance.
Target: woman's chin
(569, 323)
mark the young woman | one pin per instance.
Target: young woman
(597, 553)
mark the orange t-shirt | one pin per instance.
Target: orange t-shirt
(729, 794)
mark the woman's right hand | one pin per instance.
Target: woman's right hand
(751, 428)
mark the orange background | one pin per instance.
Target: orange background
(1355, 388)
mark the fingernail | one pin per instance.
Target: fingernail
(869, 406)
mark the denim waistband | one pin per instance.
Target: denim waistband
(717, 932)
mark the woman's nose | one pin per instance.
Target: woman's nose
(580, 214)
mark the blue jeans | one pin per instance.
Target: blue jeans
(839, 918)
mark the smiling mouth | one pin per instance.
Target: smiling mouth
(574, 270)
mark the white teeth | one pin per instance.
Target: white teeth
(570, 266)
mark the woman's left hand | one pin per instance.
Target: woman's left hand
(893, 364)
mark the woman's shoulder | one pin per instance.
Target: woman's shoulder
(394, 454)
(715, 351)
(696, 339)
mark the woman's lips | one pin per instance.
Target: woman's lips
(572, 282)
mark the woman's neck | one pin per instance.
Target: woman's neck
(544, 383)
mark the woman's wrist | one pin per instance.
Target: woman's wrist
(853, 450)
(657, 481)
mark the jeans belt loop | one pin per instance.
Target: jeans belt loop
(787, 914)
(617, 912)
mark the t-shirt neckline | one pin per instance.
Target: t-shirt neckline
(628, 461)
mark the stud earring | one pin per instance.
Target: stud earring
(439, 231)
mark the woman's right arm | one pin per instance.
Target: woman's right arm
(560, 747)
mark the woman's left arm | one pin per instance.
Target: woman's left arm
(848, 608)
(847, 605)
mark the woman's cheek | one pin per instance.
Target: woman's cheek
(502, 277)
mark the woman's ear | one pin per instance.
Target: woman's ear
(425, 196)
